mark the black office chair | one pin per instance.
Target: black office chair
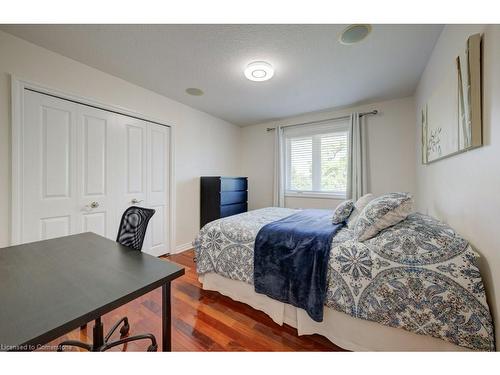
(131, 233)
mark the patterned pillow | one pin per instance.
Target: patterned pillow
(382, 212)
(358, 208)
(343, 211)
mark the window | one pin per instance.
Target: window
(316, 159)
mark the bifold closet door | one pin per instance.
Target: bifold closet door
(130, 163)
(158, 162)
(49, 159)
(82, 167)
(142, 168)
(67, 174)
(96, 172)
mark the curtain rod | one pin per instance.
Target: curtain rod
(374, 112)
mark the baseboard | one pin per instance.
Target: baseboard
(183, 247)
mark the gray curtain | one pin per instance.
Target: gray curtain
(356, 179)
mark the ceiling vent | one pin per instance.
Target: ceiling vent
(354, 34)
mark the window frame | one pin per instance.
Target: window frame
(316, 135)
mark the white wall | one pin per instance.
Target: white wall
(390, 152)
(204, 144)
(463, 190)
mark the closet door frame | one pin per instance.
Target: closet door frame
(18, 86)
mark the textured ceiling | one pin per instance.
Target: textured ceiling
(312, 70)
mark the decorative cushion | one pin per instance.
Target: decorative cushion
(382, 212)
(358, 208)
(343, 211)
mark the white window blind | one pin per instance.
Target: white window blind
(316, 159)
(301, 164)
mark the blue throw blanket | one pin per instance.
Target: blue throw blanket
(291, 259)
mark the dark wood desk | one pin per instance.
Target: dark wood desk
(48, 288)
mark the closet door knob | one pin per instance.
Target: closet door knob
(135, 201)
(93, 205)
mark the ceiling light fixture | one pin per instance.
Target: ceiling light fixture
(194, 91)
(259, 71)
(354, 34)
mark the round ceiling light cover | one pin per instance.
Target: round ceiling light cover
(259, 71)
(194, 91)
(354, 34)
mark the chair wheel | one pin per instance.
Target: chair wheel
(152, 348)
(124, 330)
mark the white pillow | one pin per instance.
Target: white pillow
(382, 212)
(358, 207)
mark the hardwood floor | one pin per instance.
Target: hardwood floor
(204, 321)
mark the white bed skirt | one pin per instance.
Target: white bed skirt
(341, 329)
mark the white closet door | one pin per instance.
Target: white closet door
(130, 163)
(49, 198)
(158, 187)
(82, 167)
(96, 211)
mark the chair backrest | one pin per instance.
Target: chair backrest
(133, 226)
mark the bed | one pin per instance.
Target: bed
(416, 284)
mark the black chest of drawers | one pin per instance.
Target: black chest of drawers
(221, 197)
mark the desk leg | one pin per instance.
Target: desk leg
(166, 323)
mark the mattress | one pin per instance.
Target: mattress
(343, 330)
(418, 276)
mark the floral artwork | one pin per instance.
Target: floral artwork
(434, 142)
(451, 118)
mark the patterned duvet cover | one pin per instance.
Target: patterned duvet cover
(418, 275)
